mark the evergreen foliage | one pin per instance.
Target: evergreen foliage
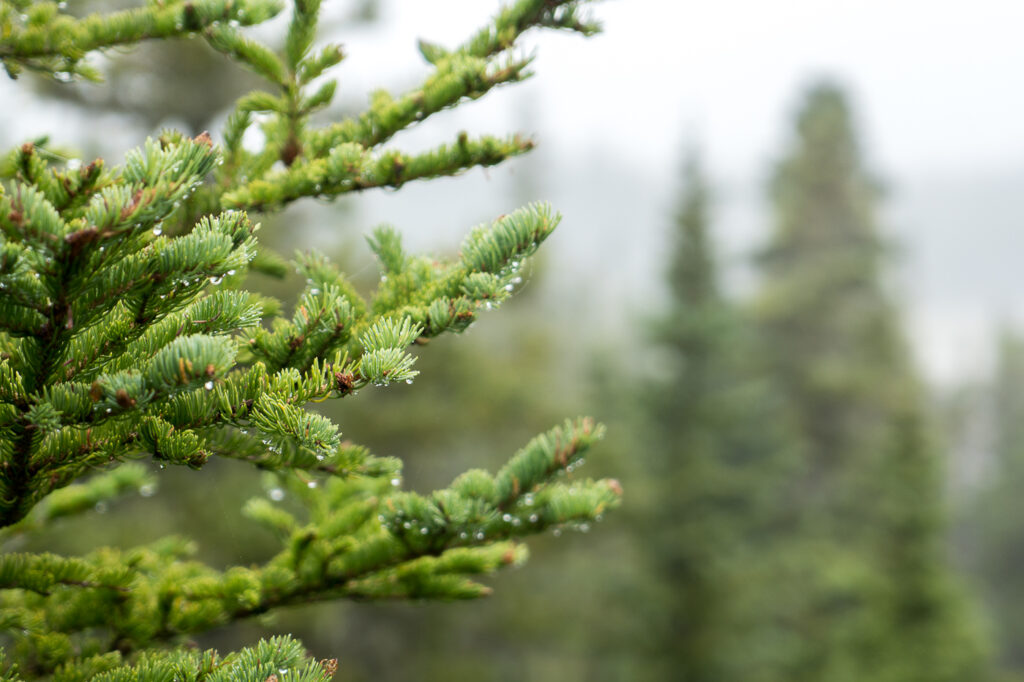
(125, 333)
(543, 622)
(878, 601)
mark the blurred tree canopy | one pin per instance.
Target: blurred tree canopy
(880, 601)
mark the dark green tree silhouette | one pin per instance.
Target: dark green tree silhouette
(879, 602)
(718, 468)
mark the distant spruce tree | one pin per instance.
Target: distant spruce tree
(125, 332)
(719, 464)
(880, 602)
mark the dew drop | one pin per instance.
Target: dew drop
(408, 381)
(314, 292)
(479, 535)
(101, 507)
(424, 530)
(276, 494)
(157, 231)
(396, 482)
(584, 527)
(311, 484)
(463, 535)
(320, 458)
(216, 279)
(507, 518)
(230, 273)
(533, 518)
(556, 532)
(407, 525)
(147, 490)
(208, 385)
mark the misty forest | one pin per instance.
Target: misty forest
(324, 365)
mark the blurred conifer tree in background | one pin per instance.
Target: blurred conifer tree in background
(720, 462)
(880, 601)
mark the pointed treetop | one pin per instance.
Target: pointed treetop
(824, 196)
(692, 275)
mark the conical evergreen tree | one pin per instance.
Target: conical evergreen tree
(880, 602)
(721, 459)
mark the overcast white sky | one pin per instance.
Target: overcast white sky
(937, 84)
(938, 81)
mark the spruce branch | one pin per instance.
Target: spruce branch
(124, 335)
(351, 168)
(134, 355)
(345, 156)
(362, 539)
(43, 39)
